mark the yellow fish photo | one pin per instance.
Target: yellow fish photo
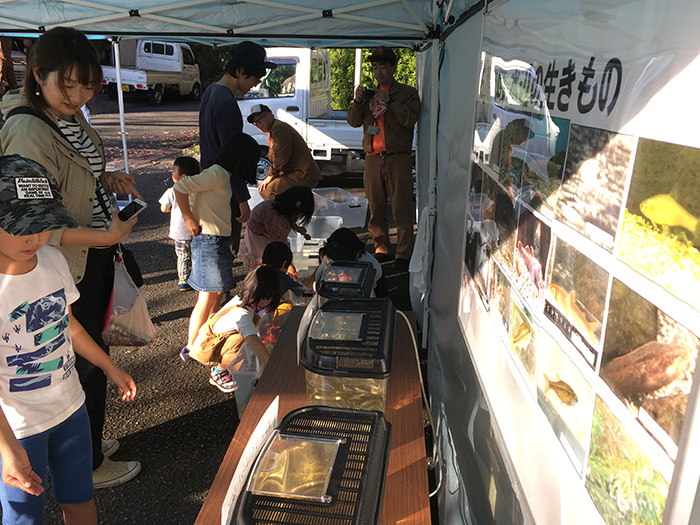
(660, 234)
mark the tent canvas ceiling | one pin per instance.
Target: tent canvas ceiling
(308, 23)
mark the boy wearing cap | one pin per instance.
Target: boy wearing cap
(291, 161)
(387, 115)
(43, 422)
(220, 117)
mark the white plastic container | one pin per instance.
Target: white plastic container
(339, 202)
(305, 252)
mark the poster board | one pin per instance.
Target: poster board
(580, 301)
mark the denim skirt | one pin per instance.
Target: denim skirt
(212, 264)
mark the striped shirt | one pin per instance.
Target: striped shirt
(102, 205)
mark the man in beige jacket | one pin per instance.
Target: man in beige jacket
(290, 158)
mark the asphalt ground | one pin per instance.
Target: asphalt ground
(179, 426)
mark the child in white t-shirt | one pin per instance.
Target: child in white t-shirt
(182, 167)
(43, 421)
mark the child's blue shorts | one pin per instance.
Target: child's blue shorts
(66, 450)
(212, 264)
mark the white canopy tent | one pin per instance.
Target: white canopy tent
(414, 24)
(499, 460)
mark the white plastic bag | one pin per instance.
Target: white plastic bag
(133, 328)
(245, 369)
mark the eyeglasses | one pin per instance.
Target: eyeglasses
(257, 121)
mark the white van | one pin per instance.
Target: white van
(151, 67)
(298, 92)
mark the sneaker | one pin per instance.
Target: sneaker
(184, 286)
(222, 380)
(185, 354)
(113, 473)
(109, 447)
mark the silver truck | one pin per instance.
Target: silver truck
(152, 68)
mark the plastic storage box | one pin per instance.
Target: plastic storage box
(305, 252)
(322, 466)
(337, 201)
(347, 353)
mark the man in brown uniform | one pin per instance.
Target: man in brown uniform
(292, 163)
(387, 115)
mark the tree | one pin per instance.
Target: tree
(343, 73)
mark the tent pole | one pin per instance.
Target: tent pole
(432, 188)
(358, 68)
(120, 96)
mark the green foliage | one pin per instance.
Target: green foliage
(342, 77)
(343, 73)
(211, 61)
(621, 480)
(405, 69)
(276, 77)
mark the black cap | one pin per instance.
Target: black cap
(30, 199)
(383, 54)
(252, 57)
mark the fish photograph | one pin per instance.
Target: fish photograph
(478, 202)
(503, 159)
(474, 217)
(500, 299)
(504, 222)
(565, 397)
(530, 258)
(623, 482)
(482, 274)
(523, 339)
(593, 185)
(578, 287)
(660, 233)
(649, 362)
(544, 155)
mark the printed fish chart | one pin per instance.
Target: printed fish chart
(530, 258)
(590, 198)
(660, 234)
(543, 157)
(575, 300)
(500, 300)
(623, 482)
(649, 361)
(523, 340)
(566, 399)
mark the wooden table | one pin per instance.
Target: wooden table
(406, 499)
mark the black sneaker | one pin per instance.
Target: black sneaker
(222, 380)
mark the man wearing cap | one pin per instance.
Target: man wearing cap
(220, 117)
(387, 115)
(290, 158)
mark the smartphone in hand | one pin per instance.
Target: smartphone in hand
(132, 208)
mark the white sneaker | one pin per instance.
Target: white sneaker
(109, 447)
(113, 473)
